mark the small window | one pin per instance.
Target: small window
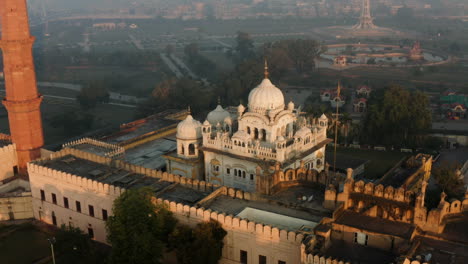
(228, 170)
(361, 239)
(251, 177)
(90, 232)
(91, 210)
(235, 172)
(281, 262)
(54, 198)
(42, 195)
(243, 174)
(104, 214)
(54, 219)
(78, 206)
(262, 259)
(65, 202)
(243, 257)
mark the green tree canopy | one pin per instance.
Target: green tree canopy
(138, 228)
(177, 93)
(397, 117)
(448, 180)
(201, 245)
(73, 246)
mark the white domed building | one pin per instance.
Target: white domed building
(242, 150)
(188, 160)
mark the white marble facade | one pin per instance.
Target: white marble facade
(266, 131)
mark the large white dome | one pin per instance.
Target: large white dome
(264, 97)
(217, 116)
(189, 129)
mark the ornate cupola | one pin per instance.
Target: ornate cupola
(188, 137)
(266, 97)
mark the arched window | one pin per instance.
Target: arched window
(256, 133)
(235, 172)
(248, 130)
(191, 148)
(182, 150)
(243, 174)
(263, 134)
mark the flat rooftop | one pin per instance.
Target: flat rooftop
(274, 219)
(91, 148)
(232, 206)
(149, 155)
(358, 254)
(140, 129)
(314, 196)
(377, 225)
(343, 161)
(124, 178)
(442, 251)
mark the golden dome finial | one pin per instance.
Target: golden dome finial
(266, 73)
(189, 110)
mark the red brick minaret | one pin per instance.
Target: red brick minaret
(22, 98)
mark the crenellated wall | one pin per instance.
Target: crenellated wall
(8, 161)
(255, 238)
(394, 204)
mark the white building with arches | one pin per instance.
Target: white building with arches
(241, 150)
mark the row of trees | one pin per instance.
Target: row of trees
(397, 117)
(179, 94)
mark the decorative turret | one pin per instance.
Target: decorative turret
(323, 121)
(188, 137)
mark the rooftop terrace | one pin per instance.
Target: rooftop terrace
(124, 178)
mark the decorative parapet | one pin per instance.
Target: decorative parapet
(318, 259)
(114, 151)
(231, 222)
(280, 152)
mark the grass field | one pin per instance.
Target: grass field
(379, 161)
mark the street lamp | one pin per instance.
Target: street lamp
(52, 242)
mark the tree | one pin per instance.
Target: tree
(139, 228)
(402, 116)
(301, 52)
(245, 46)
(93, 93)
(448, 179)
(201, 245)
(74, 246)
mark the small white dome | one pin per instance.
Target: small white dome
(217, 116)
(266, 96)
(206, 123)
(241, 135)
(280, 138)
(323, 117)
(189, 129)
(303, 132)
